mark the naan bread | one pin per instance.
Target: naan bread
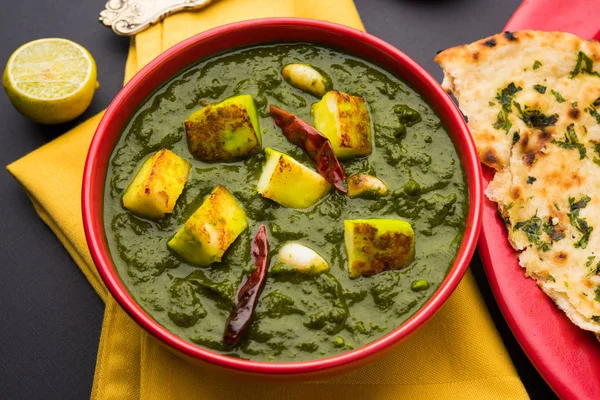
(533, 104)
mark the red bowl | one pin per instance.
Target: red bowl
(254, 32)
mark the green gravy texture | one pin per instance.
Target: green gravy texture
(298, 317)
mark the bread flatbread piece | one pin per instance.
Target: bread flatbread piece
(532, 100)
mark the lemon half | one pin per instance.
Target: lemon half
(50, 80)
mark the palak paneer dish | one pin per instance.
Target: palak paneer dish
(284, 202)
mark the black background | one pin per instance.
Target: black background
(50, 316)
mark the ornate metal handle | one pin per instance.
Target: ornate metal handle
(128, 17)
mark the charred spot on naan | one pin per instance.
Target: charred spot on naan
(490, 42)
(534, 141)
(573, 180)
(510, 36)
(529, 158)
(490, 157)
(574, 113)
(560, 257)
(564, 179)
(515, 192)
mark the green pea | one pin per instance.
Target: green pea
(338, 342)
(360, 327)
(419, 285)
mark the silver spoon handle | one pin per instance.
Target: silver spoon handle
(128, 17)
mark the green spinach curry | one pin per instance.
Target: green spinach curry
(299, 316)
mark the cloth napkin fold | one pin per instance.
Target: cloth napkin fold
(458, 354)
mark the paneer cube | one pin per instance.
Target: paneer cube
(211, 229)
(345, 120)
(303, 259)
(367, 186)
(377, 245)
(157, 185)
(290, 183)
(225, 131)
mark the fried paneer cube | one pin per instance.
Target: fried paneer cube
(211, 229)
(377, 245)
(345, 120)
(225, 131)
(290, 183)
(157, 185)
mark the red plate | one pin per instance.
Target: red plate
(567, 357)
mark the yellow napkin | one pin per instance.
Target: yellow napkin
(458, 354)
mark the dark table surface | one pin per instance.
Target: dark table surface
(51, 317)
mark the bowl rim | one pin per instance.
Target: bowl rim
(93, 186)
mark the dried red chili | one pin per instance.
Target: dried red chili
(317, 146)
(242, 315)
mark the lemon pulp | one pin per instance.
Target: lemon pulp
(50, 80)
